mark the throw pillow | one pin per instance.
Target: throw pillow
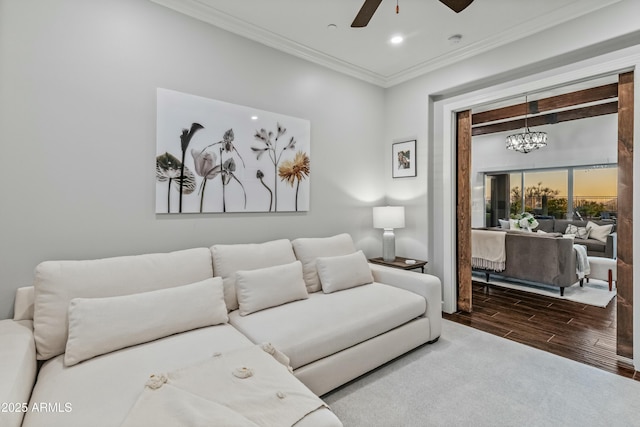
(227, 259)
(343, 272)
(504, 224)
(308, 249)
(571, 229)
(269, 287)
(513, 224)
(58, 282)
(583, 233)
(102, 325)
(599, 232)
(541, 232)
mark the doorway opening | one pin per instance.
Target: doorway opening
(624, 90)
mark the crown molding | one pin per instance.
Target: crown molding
(206, 13)
(531, 27)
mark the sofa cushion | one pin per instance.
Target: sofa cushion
(228, 259)
(23, 306)
(343, 272)
(592, 245)
(324, 324)
(545, 225)
(599, 232)
(18, 368)
(103, 390)
(101, 325)
(58, 282)
(308, 249)
(269, 287)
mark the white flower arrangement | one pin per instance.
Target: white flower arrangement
(525, 221)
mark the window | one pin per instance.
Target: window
(591, 192)
(546, 193)
(595, 191)
(515, 192)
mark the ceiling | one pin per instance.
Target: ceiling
(302, 28)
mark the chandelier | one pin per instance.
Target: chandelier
(526, 141)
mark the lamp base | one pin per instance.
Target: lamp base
(388, 245)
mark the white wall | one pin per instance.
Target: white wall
(78, 86)
(576, 143)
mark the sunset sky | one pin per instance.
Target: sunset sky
(587, 182)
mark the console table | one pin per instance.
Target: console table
(399, 262)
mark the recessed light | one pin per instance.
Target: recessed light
(332, 26)
(397, 39)
(254, 117)
(455, 39)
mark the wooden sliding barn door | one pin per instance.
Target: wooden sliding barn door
(463, 209)
(625, 216)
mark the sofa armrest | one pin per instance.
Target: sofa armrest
(425, 285)
(611, 247)
(18, 368)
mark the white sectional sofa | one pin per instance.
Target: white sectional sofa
(98, 329)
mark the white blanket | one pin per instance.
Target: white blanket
(245, 387)
(488, 250)
(582, 261)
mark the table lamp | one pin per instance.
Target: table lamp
(388, 218)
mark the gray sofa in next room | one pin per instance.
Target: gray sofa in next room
(595, 247)
(541, 258)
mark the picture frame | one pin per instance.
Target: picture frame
(403, 159)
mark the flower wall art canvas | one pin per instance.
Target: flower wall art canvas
(213, 156)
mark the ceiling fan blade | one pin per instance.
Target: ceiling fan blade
(366, 12)
(457, 5)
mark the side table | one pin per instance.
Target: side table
(399, 262)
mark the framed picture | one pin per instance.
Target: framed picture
(403, 159)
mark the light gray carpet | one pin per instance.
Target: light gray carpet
(471, 378)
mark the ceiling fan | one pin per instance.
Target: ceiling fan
(369, 8)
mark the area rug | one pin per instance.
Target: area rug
(472, 378)
(596, 292)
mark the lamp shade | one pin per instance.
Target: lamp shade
(388, 217)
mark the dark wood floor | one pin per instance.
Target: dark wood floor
(576, 331)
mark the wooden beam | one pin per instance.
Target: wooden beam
(547, 119)
(624, 345)
(463, 210)
(547, 104)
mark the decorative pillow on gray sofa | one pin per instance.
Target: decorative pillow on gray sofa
(599, 232)
(571, 229)
(583, 233)
(579, 232)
